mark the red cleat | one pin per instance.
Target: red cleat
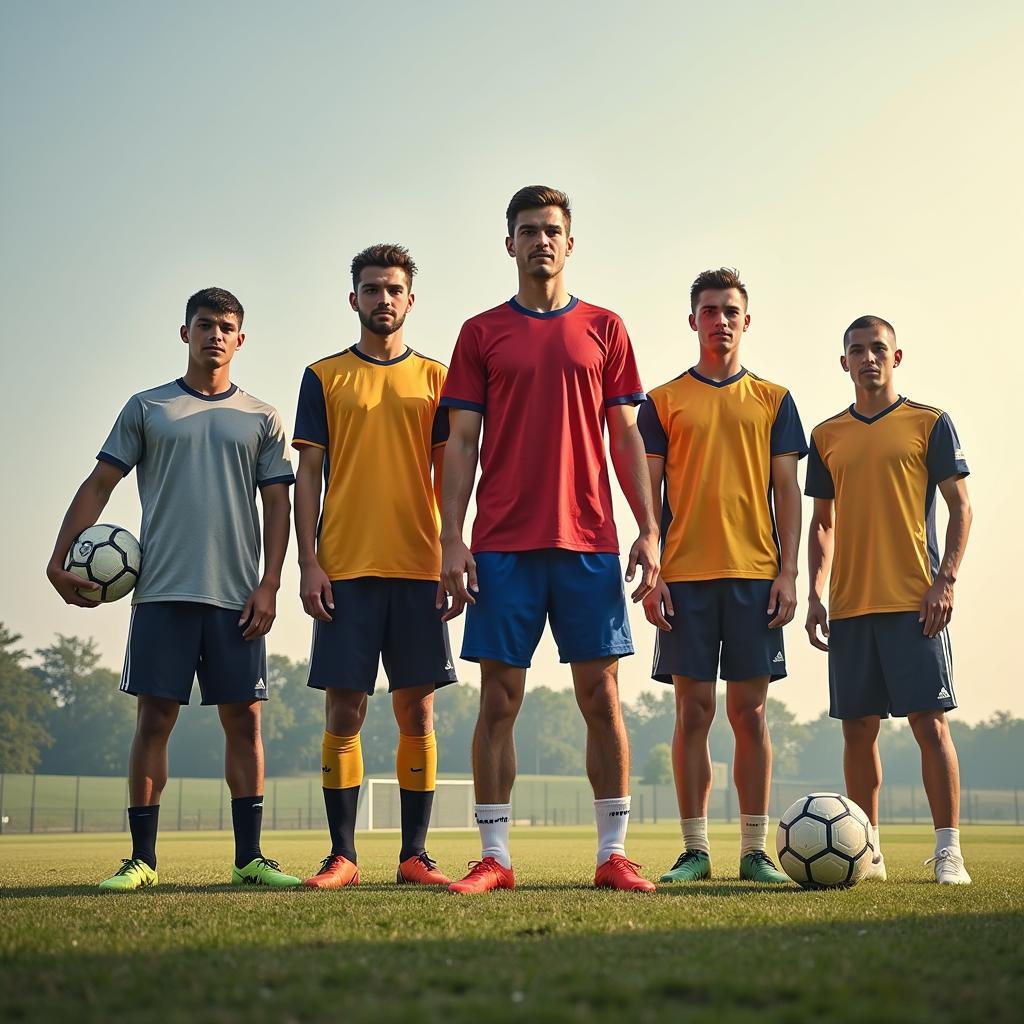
(420, 870)
(485, 875)
(618, 872)
(335, 873)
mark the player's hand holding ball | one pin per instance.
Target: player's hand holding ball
(102, 565)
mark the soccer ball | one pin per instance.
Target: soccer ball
(824, 841)
(107, 555)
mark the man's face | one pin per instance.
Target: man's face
(212, 338)
(383, 299)
(541, 242)
(871, 356)
(720, 319)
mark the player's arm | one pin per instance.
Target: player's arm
(786, 492)
(261, 609)
(937, 603)
(86, 506)
(314, 584)
(437, 470)
(820, 540)
(458, 473)
(630, 461)
(658, 603)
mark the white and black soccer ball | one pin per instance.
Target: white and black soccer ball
(824, 841)
(108, 555)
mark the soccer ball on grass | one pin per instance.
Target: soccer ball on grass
(824, 841)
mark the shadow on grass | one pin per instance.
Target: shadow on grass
(842, 972)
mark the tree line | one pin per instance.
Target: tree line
(62, 713)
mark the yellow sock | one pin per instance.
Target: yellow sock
(341, 761)
(416, 762)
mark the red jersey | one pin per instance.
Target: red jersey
(542, 382)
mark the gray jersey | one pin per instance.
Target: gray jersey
(199, 459)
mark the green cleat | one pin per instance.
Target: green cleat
(691, 866)
(758, 867)
(263, 872)
(132, 874)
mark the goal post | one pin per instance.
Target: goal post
(380, 807)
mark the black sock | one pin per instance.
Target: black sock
(341, 820)
(247, 820)
(415, 821)
(143, 821)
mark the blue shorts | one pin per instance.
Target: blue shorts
(719, 627)
(580, 592)
(379, 619)
(883, 664)
(170, 643)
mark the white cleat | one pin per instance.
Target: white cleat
(949, 868)
(876, 873)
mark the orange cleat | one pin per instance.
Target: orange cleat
(420, 870)
(618, 872)
(335, 873)
(485, 875)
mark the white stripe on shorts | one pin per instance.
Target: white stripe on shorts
(127, 668)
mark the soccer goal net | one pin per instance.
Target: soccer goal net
(380, 805)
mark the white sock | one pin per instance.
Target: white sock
(695, 834)
(493, 820)
(947, 839)
(612, 817)
(875, 841)
(753, 833)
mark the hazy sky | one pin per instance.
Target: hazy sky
(848, 158)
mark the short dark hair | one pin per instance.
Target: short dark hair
(218, 299)
(536, 197)
(383, 254)
(716, 280)
(867, 321)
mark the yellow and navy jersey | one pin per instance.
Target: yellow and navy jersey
(882, 472)
(718, 439)
(378, 422)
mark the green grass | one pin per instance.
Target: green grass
(554, 950)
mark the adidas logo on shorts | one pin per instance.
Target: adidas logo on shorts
(260, 685)
(943, 694)
(778, 657)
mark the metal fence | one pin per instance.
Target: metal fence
(68, 803)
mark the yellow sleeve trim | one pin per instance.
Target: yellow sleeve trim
(298, 442)
(654, 455)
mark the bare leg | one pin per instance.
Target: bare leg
(940, 768)
(243, 747)
(752, 767)
(597, 694)
(862, 764)
(346, 710)
(147, 762)
(414, 710)
(691, 757)
(494, 752)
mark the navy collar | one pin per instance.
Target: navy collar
(567, 308)
(205, 398)
(878, 415)
(717, 383)
(381, 362)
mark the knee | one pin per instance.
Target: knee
(241, 721)
(860, 732)
(499, 706)
(695, 715)
(155, 719)
(414, 712)
(346, 710)
(930, 729)
(748, 720)
(600, 705)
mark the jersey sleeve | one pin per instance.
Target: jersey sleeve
(273, 465)
(819, 483)
(126, 443)
(465, 387)
(439, 431)
(621, 378)
(945, 456)
(311, 414)
(651, 430)
(788, 437)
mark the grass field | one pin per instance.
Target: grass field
(554, 950)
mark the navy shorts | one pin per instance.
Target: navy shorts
(380, 619)
(580, 592)
(719, 629)
(883, 664)
(170, 643)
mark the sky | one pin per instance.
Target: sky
(847, 158)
